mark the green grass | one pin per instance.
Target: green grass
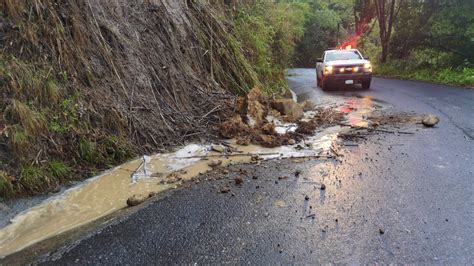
(59, 170)
(22, 114)
(6, 187)
(88, 151)
(19, 140)
(39, 178)
(117, 149)
(65, 118)
(458, 77)
(45, 137)
(33, 178)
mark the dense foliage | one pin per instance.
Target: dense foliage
(432, 40)
(327, 24)
(267, 33)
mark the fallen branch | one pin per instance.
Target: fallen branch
(404, 132)
(351, 144)
(230, 155)
(382, 130)
(258, 154)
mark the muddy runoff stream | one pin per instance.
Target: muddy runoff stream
(107, 193)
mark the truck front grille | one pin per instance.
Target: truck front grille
(348, 69)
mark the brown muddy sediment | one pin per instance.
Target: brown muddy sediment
(107, 193)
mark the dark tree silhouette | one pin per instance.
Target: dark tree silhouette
(364, 12)
(386, 15)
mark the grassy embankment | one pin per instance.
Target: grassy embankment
(66, 111)
(457, 77)
(44, 141)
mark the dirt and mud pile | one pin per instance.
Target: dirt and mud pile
(256, 118)
(87, 84)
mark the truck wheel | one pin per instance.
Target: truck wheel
(366, 85)
(324, 86)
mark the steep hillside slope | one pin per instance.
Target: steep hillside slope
(88, 84)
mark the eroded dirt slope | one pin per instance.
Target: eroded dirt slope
(91, 83)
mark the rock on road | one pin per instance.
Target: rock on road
(393, 199)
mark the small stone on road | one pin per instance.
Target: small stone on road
(430, 120)
(136, 200)
(238, 180)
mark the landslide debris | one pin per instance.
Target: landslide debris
(214, 163)
(393, 119)
(137, 199)
(386, 122)
(380, 118)
(251, 122)
(290, 110)
(323, 117)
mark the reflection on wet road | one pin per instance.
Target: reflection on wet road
(351, 100)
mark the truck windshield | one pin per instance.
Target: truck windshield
(342, 55)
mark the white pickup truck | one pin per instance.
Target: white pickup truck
(343, 67)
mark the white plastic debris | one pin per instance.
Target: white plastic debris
(142, 170)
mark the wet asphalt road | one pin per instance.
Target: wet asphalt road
(392, 199)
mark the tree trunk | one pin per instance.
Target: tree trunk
(386, 19)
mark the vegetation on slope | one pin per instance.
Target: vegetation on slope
(90, 84)
(268, 33)
(327, 24)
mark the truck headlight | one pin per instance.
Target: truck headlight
(368, 67)
(328, 70)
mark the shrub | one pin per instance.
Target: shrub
(6, 187)
(268, 33)
(450, 76)
(59, 170)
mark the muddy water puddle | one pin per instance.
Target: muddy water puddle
(108, 192)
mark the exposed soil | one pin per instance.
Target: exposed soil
(323, 117)
(387, 118)
(382, 122)
(250, 126)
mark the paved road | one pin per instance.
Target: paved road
(393, 199)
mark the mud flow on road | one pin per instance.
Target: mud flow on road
(345, 173)
(108, 192)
